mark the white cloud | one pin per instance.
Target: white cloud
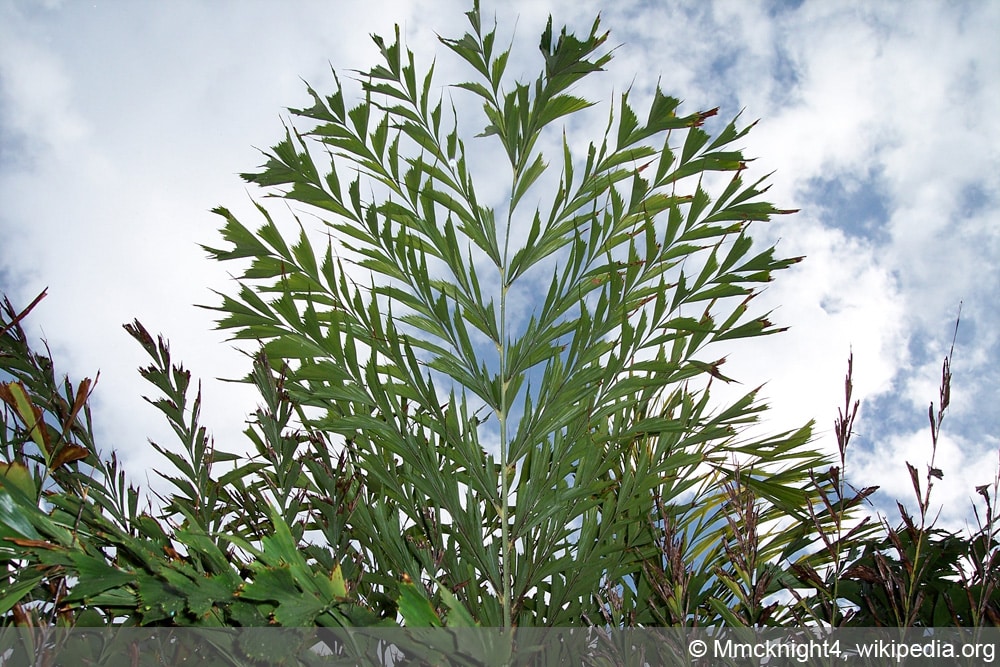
(963, 465)
(895, 98)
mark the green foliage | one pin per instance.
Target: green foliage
(129, 565)
(514, 453)
(473, 411)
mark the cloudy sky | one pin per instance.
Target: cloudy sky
(123, 123)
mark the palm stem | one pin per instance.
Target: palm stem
(506, 547)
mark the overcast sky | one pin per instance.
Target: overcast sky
(123, 123)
